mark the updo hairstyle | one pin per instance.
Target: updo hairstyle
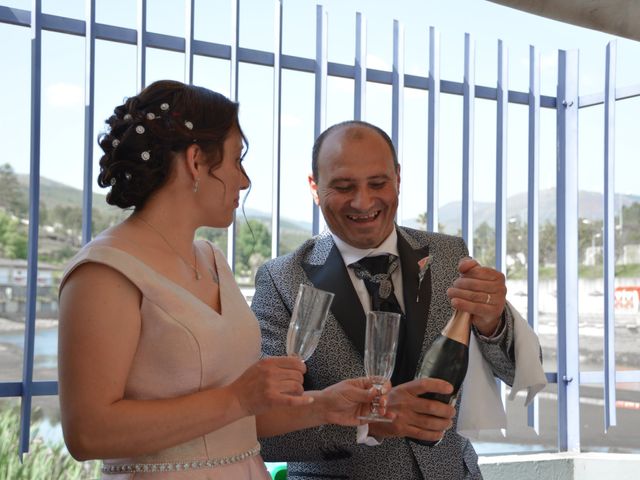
(146, 132)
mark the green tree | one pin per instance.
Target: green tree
(13, 238)
(484, 244)
(253, 246)
(12, 198)
(547, 244)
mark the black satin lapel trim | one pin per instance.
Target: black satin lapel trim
(417, 313)
(346, 307)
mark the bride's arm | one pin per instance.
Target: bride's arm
(99, 332)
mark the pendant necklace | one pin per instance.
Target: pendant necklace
(193, 267)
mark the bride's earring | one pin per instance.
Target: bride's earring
(195, 186)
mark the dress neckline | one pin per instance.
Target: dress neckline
(175, 285)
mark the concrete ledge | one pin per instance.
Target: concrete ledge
(561, 466)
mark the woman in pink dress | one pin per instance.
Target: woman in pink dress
(159, 354)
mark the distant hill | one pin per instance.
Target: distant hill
(590, 206)
(54, 193)
(589, 203)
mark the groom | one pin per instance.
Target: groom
(355, 180)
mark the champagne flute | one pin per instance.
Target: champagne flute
(307, 320)
(381, 343)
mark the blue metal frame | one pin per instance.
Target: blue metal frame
(502, 104)
(34, 223)
(468, 118)
(320, 105)
(397, 97)
(277, 120)
(567, 253)
(360, 69)
(533, 222)
(567, 106)
(609, 240)
(433, 130)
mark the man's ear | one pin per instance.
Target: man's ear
(398, 175)
(313, 186)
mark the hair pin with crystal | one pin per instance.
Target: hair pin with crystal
(146, 155)
(188, 124)
(140, 129)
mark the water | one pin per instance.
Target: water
(45, 345)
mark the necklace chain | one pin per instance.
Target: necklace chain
(193, 267)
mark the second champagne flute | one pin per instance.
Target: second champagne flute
(307, 320)
(380, 345)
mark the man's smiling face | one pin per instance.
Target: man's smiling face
(357, 186)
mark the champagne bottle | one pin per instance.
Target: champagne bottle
(447, 359)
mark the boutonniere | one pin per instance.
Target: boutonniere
(423, 266)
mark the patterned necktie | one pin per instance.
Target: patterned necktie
(376, 274)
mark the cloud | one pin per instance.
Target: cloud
(289, 120)
(64, 95)
(377, 63)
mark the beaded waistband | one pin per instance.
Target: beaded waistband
(180, 466)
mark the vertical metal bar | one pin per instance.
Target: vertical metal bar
(320, 106)
(609, 238)
(397, 98)
(433, 130)
(89, 94)
(360, 87)
(277, 119)
(468, 115)
(34, 217)
(235, 40)
(502, 104)
(233, 88)
(501, 158)
(141, 64)
(567, 253)
(533, 416)
(189, 9)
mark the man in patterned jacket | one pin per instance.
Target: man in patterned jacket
(355, 181)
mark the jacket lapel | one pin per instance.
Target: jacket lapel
(416, 312)
(346, 308)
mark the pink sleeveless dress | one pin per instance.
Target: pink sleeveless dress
(186, 346)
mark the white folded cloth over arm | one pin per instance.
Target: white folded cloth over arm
(481, 406)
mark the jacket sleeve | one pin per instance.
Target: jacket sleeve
(326, 442)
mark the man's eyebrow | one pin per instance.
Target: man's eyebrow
(350, 179)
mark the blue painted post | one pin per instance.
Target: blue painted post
(320, 106)
(533, 223)
(433, 130)
(502, 104)
(609, 238)
(141, 34)
(468, 118)
(567, 253)
(360, 87)
(189, 8)
(34, 217)
(233, 88)
(89, 86)
(277, 119)
(397, 98)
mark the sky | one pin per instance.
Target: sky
(63, 89)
